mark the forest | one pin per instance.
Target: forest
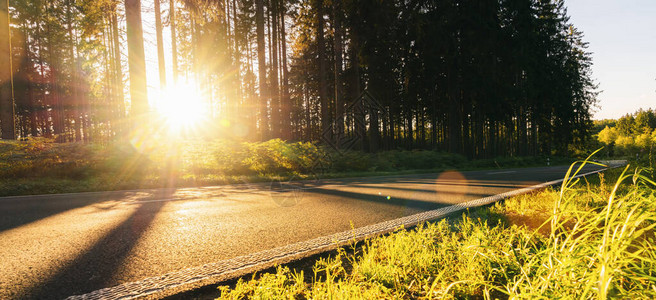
(476, 78)
(631, 135)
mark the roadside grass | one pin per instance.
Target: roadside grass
(592, 238)
(40, 166)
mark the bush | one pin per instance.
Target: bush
(155, 163)
(40, 157)
(422, 159)
(279, 157)
(230, 157)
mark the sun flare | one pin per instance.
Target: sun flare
(181, 107)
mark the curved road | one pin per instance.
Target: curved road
(54, 246)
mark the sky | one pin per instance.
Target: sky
(622, 38)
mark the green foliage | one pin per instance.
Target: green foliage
(427, 160)
(281, 285)
(634, 134)
(40, 157)
(642, 121)
(397, 160)
(608, 135)
(356, 161)
(598, 125)
(196, 162)
(590, 240)
(279, 157)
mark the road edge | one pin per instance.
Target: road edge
(179, 281)
(264, 183)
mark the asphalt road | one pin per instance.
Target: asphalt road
(54, 246)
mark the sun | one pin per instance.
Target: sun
(181, 107)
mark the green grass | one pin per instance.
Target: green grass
(592, 238)
(39, 166)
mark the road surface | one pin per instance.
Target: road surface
(54, 246)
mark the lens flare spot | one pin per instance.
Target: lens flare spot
(451, 187)
(240, 130)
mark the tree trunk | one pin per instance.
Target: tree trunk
(275, 89)
(285, 104)
(118, 75)
(136, 60)
(455, 132)
(57, 108)
(306, 98)
(359, 114)
(321, 57)
(261, 65)
(74, 103)
(238, 102)
(33, 108)
(339, 102)
(434, 125)
(409, 130)
(194, 49)
(174, 44)
(43, 115)
(7, 112)
(160, 45)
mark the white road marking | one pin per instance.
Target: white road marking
(158, 200)
(503, 172)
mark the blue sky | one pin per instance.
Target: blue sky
(622, 37)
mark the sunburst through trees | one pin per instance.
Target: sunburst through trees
(502, 77)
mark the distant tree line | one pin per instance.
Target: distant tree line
(631, 134)
(479, 78)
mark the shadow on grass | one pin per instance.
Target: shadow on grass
(535, 221)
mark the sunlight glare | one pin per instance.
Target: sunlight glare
(182, 107)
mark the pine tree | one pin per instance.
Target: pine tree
(6, 73)
(136, 59)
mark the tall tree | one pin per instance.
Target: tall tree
(118, 71)
(275, 87)
(321, 61)
(6, 75)
(285, 102)
(174, 44)
(136, 59)
(337, 48)
(160, 45)
(261, 65)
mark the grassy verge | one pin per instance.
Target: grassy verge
(592, 238)
(40, 166)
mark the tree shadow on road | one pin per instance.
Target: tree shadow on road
(396, 201)
(468, 185)
(95, 268)
(23, 210)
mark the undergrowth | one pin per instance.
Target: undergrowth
(42, 166)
